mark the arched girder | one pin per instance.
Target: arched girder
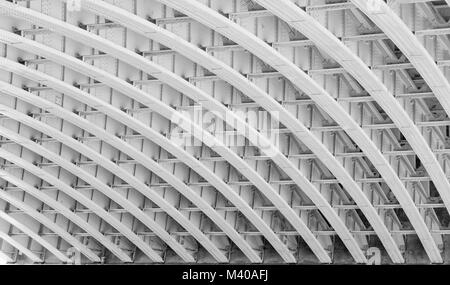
(154, 136)
(20, 247)
(33, 235)
(99, 211)
(181, 85)
(301, 80)
(43, 219)
(128, 178)
(325, 40)
(139, 157)
(62, 209)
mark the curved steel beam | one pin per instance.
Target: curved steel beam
(42, 218)
(325, 40)
(31, 255)
(214, 143)
(302, 81)
(99, 211)
(234, 78)
(36, 237)
(136, 155)
(150, 134)
(60, 207)
(128, 178)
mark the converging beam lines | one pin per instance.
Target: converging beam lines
(33, 235)
(250, 42)
(233, 77)
(138, 156)
(7, 258)
(388, 21)
(99, 211)
(42, 218)
(138, 126)
(64, 210)
(324, 39)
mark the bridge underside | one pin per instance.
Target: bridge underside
(211, 131)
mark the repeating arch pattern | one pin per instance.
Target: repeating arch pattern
(357, 157)
(230, 118)
(20, 247)
(45, 220)
(32, 234)
(147, 132)
(63, 187)
(151, 165)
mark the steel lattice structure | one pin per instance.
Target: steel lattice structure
(224, 131)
